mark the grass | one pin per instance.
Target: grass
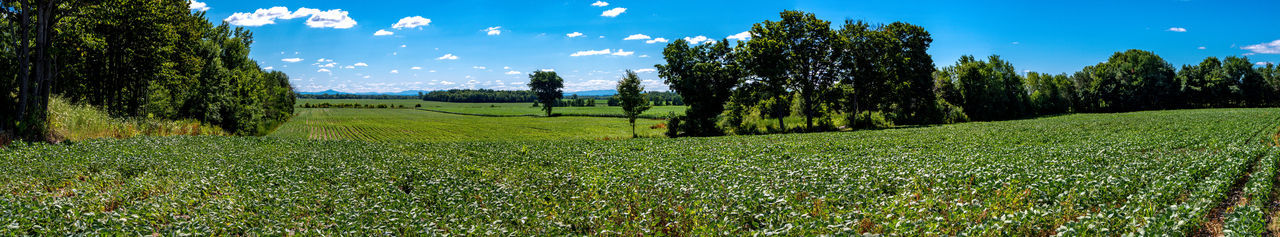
(1154, 173)
(508, 109)
(421, 126)
(82, 122)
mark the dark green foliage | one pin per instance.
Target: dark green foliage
(1128, 81)
(547, 86)
(137, 58)
(480, 96)
(799, 53)
(986, 90)
(704, 76)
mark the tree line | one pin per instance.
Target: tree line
(881, 75)
(479, 96)
(133, 58)
(358, 96)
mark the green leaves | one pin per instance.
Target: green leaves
(1088, 174)
(546, 85)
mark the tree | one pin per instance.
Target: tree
(36, 65)
(800, 53)
(987, 90)
(631, 97)
(704, 76)
(1132, 80)
(1251, 89)
(547, 86)
(1204, 85)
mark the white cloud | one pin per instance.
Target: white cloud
(321, 60)
(740, 36)
(1264, 48)
(646, 70)
(259, 17)
(574, 34)
(411, 22)
(513, 72)
(591, 52)
(548, 70)
(1262, 63)
(1201, 48)
(496, 30)
(268, 68)
(383, 32)
(415, 68)
(623, 53)
(360, 64)
(1016, 43)
(506, 68)
(600, 4)
(448, 57)
(479, 67)
(395, 71)
(637, 37)
(1177, 29)
(198, 6)
(323, 70)
(329, 65)
(366, 77)
(613, 12)
(432, 71)
(644, 56)
(656, 40)
(447, 83)
(349, 67)
(402, 46)
(698, 40)
(291, 60)
(336, 18)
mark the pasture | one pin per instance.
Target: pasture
(507, 109)
(1158, 172)
(409, 125)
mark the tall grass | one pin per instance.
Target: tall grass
(68, 122)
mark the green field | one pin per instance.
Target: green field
(409, 125)
(1159, 172)
(507, 109)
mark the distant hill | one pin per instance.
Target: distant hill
(333, 92)
(593, 93)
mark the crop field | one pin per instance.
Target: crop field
(507, 109)
(408, 125)
(1161, 172)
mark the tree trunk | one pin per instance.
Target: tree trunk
(633, 128)
(24, 63)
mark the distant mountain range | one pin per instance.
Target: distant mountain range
(415, 92)
(333, 92)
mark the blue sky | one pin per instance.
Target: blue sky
(326, 45)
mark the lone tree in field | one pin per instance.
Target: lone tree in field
(631, 97)
(547, 86)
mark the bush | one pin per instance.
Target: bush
(869, 119)
(951, 113)
(673, 126)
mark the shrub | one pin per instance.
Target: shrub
(673, 126)
(869, 119)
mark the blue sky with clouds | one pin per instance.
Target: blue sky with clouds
(391, 46)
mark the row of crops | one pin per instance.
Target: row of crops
(1160, 172)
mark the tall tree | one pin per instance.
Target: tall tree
(1132, 80)
(547, 86)
(988, 90)
(1251, 89)
(632, 98)
(704, 76)
(36, 66)
(800, 51)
